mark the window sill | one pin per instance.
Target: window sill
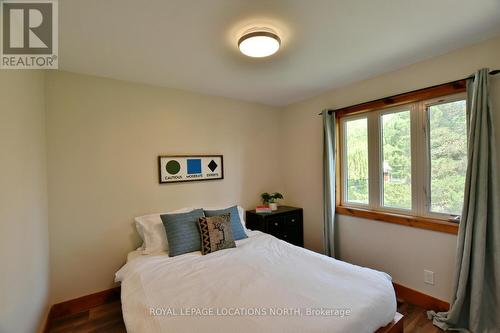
(408, 220)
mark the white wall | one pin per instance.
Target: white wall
(24, 251)
(402, 251)
(104, 137)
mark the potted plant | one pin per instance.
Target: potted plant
(271, 199)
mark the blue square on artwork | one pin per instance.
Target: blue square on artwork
(194, 166)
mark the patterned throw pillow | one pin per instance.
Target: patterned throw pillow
(216, 233)
(237, 227)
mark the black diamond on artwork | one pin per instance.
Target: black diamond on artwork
(212, 165)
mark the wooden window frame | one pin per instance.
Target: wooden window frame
(419, 217)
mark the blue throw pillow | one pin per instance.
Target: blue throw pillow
(182, 231)
(236, 226)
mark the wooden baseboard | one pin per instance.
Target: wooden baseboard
(417, 298)
(81, 304)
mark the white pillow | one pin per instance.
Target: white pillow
(151, 230)
(241, 212)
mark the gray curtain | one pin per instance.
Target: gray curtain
(475, 305)
(329, 147)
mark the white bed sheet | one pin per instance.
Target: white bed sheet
(262, 275)
(139, 253)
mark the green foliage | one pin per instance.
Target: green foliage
(448, 147)
(396, 151)
(357, 161)
(448, 142)
(270, 198)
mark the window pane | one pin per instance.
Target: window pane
(448, 152)
(356, 145)
(396, 165)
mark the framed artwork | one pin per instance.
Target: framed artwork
(188, 168)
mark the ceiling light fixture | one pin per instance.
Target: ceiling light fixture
(259, 43)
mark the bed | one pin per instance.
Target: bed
(262, 285)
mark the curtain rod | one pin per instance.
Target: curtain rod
(493, 72)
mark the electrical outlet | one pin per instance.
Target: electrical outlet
(428, 277)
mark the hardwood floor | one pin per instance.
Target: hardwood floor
(415, 320)
(107, 318)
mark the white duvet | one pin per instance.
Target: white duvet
(262, 285)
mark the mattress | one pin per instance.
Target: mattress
(262, 285)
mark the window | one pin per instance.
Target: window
(448, 156)
(409, 160)
(356, 149)
(396, 159)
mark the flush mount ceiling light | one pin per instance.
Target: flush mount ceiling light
(259, 43)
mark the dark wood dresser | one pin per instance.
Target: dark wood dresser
(285, 223)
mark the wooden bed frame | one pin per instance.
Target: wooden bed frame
(395, 326)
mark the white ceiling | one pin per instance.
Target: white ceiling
(191, 44)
